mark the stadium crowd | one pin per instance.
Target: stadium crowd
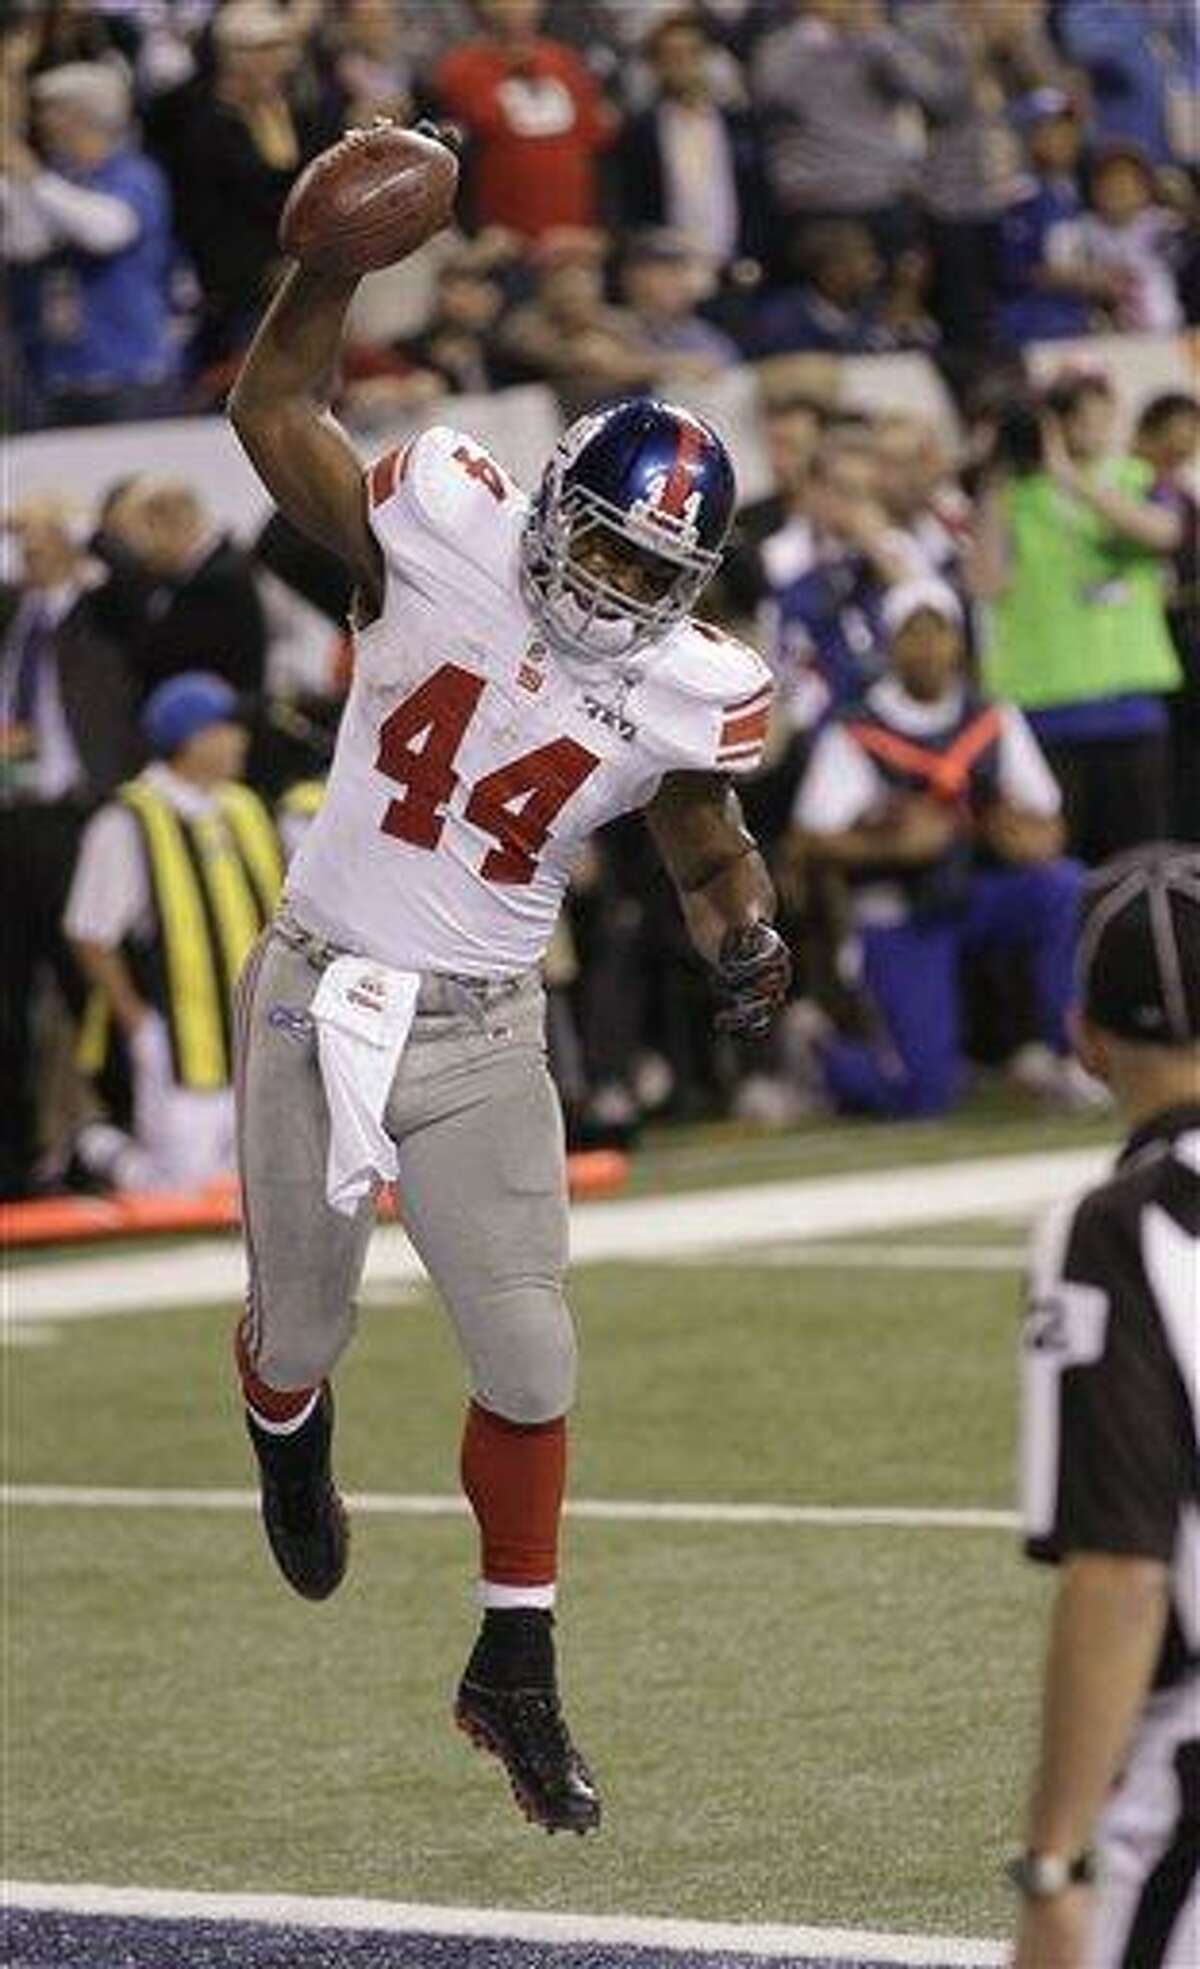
(986, 655)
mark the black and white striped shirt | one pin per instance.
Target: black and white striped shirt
(1110, 1448)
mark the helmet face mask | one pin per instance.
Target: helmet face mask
(620, 540)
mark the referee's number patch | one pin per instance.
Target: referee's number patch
(1069, 1323)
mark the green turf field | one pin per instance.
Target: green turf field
(795, 1723)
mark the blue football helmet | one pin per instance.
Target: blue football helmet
(625, 529)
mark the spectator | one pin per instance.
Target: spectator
(1142, 58)
(176, 877)
(611, 35)
(370, 64)
(661, 280)
(829, 572)
(430, 32)
(1070, 553)
(937, 808)
(904, 317)
(68, 734)
(568, 335)
(67, 31)
(310, 570)
(241, 139)
(181, 592)
(989, 56)
(535, 120)
(792, 426)
(89, 235)
(1047, 292)
(1168, 437)
(641, 1018)
(458, 340)
(380, 386)
(1128, 234)
(829, 85)
(919, 495)
(157, 39)
(838, 308)
(688, 161)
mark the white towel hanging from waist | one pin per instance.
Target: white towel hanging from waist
(363, 1013)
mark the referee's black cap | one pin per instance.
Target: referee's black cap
(1139, 948)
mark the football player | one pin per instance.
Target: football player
(524, 670)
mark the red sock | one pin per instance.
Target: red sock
(514, 1474)
(272, 1404)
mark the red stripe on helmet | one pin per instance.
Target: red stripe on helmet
(679, 478)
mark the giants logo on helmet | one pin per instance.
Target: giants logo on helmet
(664, 511)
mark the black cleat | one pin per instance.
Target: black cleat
(304, 1518)
(507, 1704)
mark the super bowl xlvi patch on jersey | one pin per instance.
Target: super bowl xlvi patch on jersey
(611, 717)
(612, 713)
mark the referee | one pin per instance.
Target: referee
(1110, 1878)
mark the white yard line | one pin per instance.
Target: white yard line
(647, 1228)
(876, 1257)
(767, 1943)
(385, 1504)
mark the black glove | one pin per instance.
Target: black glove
(753, 974)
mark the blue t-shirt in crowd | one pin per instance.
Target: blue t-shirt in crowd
(96, 321)
(1039, 206)
(830, 626)
(799, 318)
(1135, 52)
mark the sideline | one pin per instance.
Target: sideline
(696, 1938)
(647, 1229)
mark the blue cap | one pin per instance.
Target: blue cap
(1040, 107)
(185, 705)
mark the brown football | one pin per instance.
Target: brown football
(377, 195)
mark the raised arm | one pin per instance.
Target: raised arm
(988, 560)
(1156, 528)
(280, 411)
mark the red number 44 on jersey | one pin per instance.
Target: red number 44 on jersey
(517, 804)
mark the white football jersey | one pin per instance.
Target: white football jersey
(470, 766)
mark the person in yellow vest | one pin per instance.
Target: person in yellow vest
(298, 805)
(176, 877)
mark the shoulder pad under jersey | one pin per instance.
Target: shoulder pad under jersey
(704, 702)
(444, 489)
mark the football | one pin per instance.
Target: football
(374, 197)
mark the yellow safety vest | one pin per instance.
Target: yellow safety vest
(214, 883)
(303, 798)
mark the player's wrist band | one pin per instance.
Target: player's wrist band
(1042, 1876)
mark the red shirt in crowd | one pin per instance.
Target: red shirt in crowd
(538, 120)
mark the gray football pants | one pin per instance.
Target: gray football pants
(479, 1139)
